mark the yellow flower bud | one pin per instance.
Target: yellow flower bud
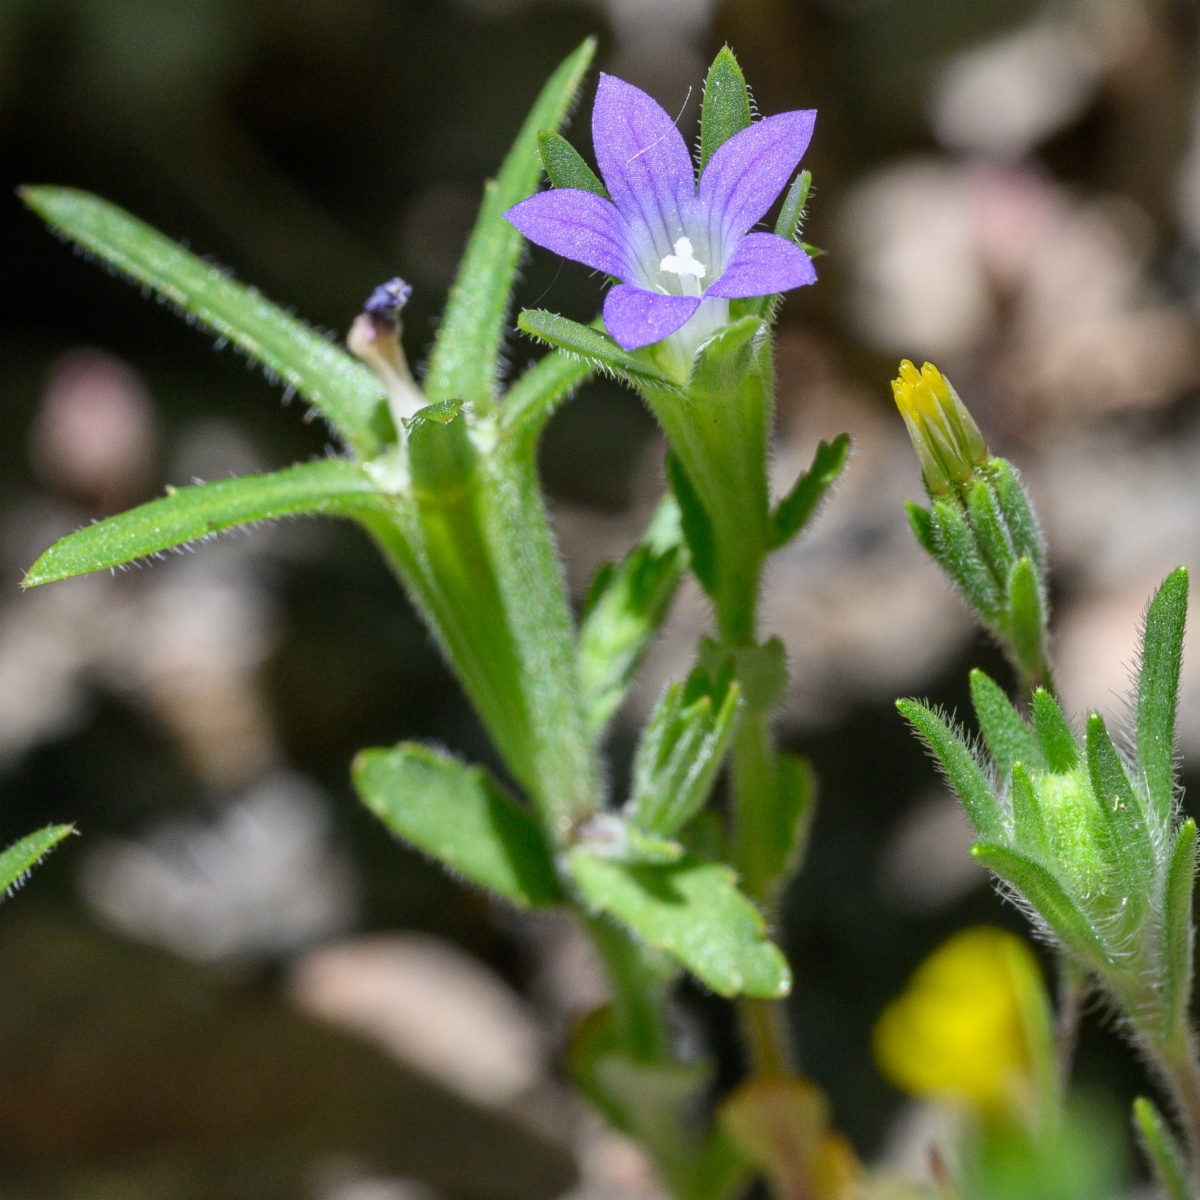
(943, 432)
(962, 1029)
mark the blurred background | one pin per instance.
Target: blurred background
(234, 983)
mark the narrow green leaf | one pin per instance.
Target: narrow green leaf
(696, 525)
(565, 167)
(726, 107)
(627, 605)
(1006, 734)
(1026, 618)
(462, 817)
(592, 345)
(990, 535)
(1177, 948)
(1019, 517)
(1158, 691)
(21, 857)
(791, 812)
(1159, 1144)
(694, 911)
(959, 555)
(962, 770)
(920, 521)
(797, 507)
(464, 360)
(1129, 834)
(1053, 734)
(535, 397)
(1029, 827)
(334, 486)
(1047, 896)
(346, 392)
(791, 215)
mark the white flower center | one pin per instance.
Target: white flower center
(685, 264)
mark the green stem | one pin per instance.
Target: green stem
(639, 986)
(1182, 1074)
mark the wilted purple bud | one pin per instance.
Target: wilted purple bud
(388, 299)
(375, 338)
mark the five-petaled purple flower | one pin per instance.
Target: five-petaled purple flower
(678, 249)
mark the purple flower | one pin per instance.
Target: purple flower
(678, 249)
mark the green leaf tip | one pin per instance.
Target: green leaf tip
(726, 106)
(341, 387)
(1004, 732)
(1053, 733)
(796, 509)
(21, 857)
(565, 166)
(333, 486)
(1166, 1160)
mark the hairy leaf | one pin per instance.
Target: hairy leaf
(345, 391)
(333, 486)
(798, 506)
(464, 360)
(920, 521)
(726, 107)
(1177, 949)
(592, 345)
(1026, 619)
(21, 857)
(696, 525)
(1157, 1140)
(1029, 826)
(1053, 734)
(462, 817)
(565, 167)
(694, 911)
(1006, 734)
(791, 215)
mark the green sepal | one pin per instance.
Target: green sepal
(1158, 692)
(463, 365)
(534, 398)
(680, 752)
(694, 911)
(761, 670)
(565, 167)
(696, 525)
(958, 553)
(960, 765)
(1158, 1142)
(791, 215)
(21, 857)
(1006, 735)
(920, 521)
(1029, 826)
(1177, 937)
(1026, 618)
(460, 816)
(1053, 734)
(1046, 894)
(990, 535)
(1128, 833)
(1019, 518)
(625, 607)
(592, 345)
(796, 509)
(726, 107)
(334, 486)
(343, 389)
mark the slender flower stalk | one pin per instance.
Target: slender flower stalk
(375, 338)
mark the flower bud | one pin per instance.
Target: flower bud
(375, 338)
(944, 434)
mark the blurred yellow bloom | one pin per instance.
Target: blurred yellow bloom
(972, 1026)
(943, 432)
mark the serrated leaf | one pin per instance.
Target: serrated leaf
(681, 751)
(1178, 925)
(21, 857)
(797, 507)
(1007, 736)
(962, 771)
(1158, 1142)
(726, 106)
(696, 525)
(345, 391)
(565, 167)
(694, 911)
(464, 361)
(462, 817)
(534, 398)
(333, 486)
(625, 608)
(1047, 896)
(592, 345)
(1053, 734)
(1158, 691)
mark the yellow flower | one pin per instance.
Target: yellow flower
(972, 1026)
(943, 432)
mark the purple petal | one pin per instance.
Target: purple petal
(636, 317)
(747, 172)
(761, 265)
(578, 225)
(645, 163)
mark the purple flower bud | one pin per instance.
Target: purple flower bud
(388, 299)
